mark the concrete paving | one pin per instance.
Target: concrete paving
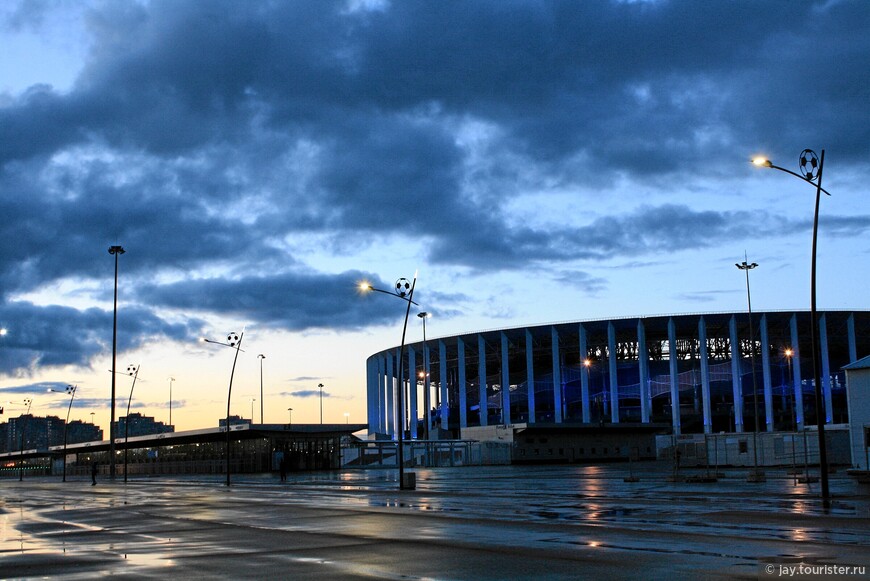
(475, 523)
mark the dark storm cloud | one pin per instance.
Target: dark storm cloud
(31, 388)
(211, 137)
(45, 336)
(647, 230)
(284, 301)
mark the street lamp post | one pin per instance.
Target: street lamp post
(405, 291)
(71, 392)
(115, 251)
(788, 355)
(132, 370)
(757, 473)
(27, 402)
(171, 379)
(811, 168)
(262, 421)
(320, 385)
(290, 419)
(587, 363)
(234, 342)
(423, 315)
(253, 399)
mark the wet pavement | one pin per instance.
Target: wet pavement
(475, 523)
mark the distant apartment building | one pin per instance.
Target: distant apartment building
(234, 421)
(28, 432)
(140, 425)
(78, 431)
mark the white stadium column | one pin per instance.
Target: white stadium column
(614, 379)
(584, 377)
(372, 377)
(765, 370)
(391, 398)
(643, 373)
(382, 394)
(674, 375)
(826, 368)
(736, 374)
(442, 383)
(481, 378)
(414, 413)
(505, 382)
(796, 371)
(705, 376)
(530, 375)
(557, 376)
(463, 403)
(427, 387)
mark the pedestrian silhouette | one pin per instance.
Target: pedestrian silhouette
(94, 474)
(282, 468)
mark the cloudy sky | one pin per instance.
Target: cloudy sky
(535, 161)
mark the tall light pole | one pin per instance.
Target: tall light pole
(290, 419)
(587, 363)
(320, 385)
(788, 355)
(233, 342)
(171, 379)
(115, 251)
(405, 291)
(23, 418)
(423, 315)
(260, 357)
(757, 474)
(811, 167)
(253, 399)
(133, 371)
(71, 392)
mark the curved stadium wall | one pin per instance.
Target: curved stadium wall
(694, 372)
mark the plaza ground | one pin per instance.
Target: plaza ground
(474, 523)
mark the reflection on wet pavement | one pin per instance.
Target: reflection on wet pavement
(461, 523)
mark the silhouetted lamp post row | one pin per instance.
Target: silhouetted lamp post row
(234, 342)
(133, 371)
(171, 379)
(115, 251)
(27, 403)
(757, 474)
(423, 315)
(320, 387)
(405, 291)
(71, 392)
(262, 421)
(811, 167)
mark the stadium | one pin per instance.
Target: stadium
(702, 373)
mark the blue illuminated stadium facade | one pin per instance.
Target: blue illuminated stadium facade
(691, 372)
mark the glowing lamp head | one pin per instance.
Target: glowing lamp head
(762, 161)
